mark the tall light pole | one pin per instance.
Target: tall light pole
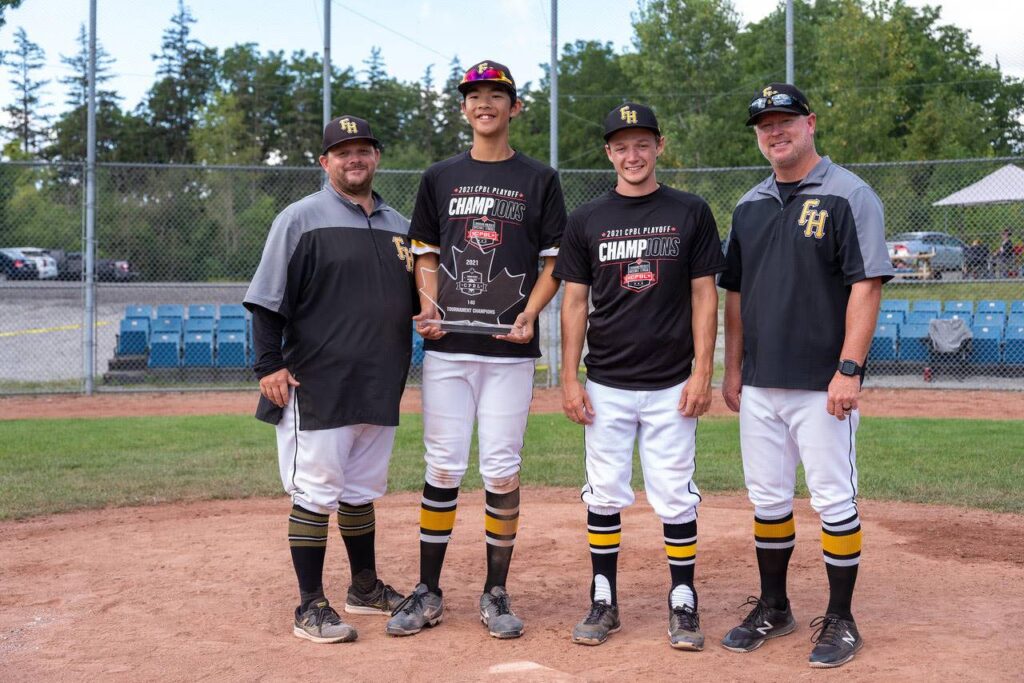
(553, 349)
(327, 72)
(789, 42)
(89, 322)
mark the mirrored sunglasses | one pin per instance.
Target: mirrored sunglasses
(776, 100)
(489, 74)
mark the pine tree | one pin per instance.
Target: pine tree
(28, 122)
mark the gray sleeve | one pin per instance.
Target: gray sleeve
(869, 222)
(269, 284)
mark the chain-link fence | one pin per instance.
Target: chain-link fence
(176, 246)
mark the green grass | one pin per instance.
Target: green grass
(975, 290)
(49, 466)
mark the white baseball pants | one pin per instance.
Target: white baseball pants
(781, 428)
(497, 395)
(667, 444)
(321, 467)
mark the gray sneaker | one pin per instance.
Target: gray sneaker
(321, 624)
(601, 621)
(684, 629)
(421, 608)
(383, 599)
(497, 615)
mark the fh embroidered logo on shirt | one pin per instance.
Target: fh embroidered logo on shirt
(812, 220)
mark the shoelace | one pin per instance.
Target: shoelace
(326, 615)
(829, 631)
(597, 611)
(410, 604)
(500, 603)
(757, 614)
(688, 619)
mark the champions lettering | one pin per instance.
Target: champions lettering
(627, 250)
(487, 206)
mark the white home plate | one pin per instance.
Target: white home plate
(529, 671)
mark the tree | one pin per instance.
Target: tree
(259, 85)
(6, 5)
(28, 122)
(187, 71)
(78, 81)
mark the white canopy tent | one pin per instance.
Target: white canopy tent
(1003, 186)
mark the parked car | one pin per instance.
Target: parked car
(70, 265)
(16, 267)
(46, 265)
(947, 252)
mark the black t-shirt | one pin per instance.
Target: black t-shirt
(786, 189)
(510, 211)
(638, 255)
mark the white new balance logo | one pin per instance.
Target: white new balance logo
(763, 630)
(849, 639)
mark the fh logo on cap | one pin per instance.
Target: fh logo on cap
(349, 126)
(482, 67)
(768, 92)
(812, 220)
(627, 114)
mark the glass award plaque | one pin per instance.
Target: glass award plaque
(470, 299)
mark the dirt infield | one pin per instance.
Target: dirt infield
(996, 405)
(205, 590)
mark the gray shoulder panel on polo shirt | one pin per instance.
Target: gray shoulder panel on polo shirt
(867, 210)
(323, 209)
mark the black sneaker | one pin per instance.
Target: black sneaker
(601, 621)
(835, 642)
(684, 629)
(321, 624)
(383, 599)
(762, 623)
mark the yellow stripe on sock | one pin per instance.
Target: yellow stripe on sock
(605, 539)
(437, 521)
(841, 545)
(787, 528)
(681, 552)
(502, 527)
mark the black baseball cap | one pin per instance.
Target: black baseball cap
(488, 71)
(630, 115)
(777, 97)
(347, 127)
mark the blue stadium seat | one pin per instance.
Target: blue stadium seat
(1016, 306)
(170, 311)
(231, 349)
(236, 325)
(417, 349)
(985, 345)
(138, 311)
(198, 350)
(232, 311)
(166, 326)
(896, 305)
(992, 306)
(1015, 319)
(915, 344)
(883, 343)
(922, 317)
(165, 350)
(959, 306)
(930, 305)
(891, 317)
(133, 339)
(954, 315)
(991, 320)
(193, 325)
(1013, 351)
(202, 311)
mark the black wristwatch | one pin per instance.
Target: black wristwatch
(850, 368)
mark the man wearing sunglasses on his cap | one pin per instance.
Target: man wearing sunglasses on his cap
(805, 263)
(330, 302)
(507, 212)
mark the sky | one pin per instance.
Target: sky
(412, 33)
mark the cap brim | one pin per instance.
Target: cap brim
(613, 132)
(464, 88)
(767, 110)
(374, 140)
